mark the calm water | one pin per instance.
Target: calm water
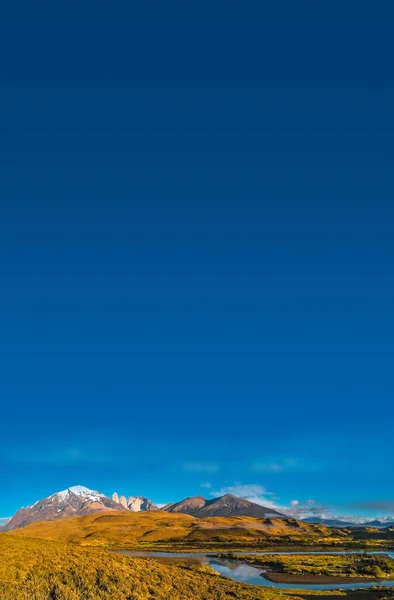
(240, 571)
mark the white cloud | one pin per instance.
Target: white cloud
(66, 456)
(206, 485)
(296, 509)
(289, 465)
(249, 491)
(258, 494)
(267, 467)
(3, 520)
(200, 467)
(307, 508)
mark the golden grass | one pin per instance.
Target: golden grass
(32, 569)
(370, 566)
(133, 530)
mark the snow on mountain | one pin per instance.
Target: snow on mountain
(352, 521)
(74, 501)
(77, 490)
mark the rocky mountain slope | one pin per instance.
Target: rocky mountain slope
(76, 500)
(225, 506)
(134, 503)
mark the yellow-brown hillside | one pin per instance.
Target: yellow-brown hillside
(128, 529)
(32, 569)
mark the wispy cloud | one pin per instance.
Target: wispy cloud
(267, 467)
(285, 465)
(67, 456)
(312, 509)
(305, 509)
(383, 506)
(249, 491)
(258, 494)
(201, 467)
(3, 520)
(206, 485)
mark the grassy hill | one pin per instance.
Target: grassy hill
(158, 529)
(37, 569)
(33, 569)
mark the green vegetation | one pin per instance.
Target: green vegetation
(327, 565)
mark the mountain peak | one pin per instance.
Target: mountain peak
(81, 490)
(134, 503)
(73, 501)
(77, 490)
(224, 506)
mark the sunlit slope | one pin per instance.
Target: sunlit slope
(32, 569)
(134, 529)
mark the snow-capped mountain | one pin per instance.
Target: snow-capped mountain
(76, 500)
(351, 521)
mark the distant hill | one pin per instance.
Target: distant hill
(129, 529)
(225, 506)
(380, 523)
(357, 522)
(75, 501)
(329, 522)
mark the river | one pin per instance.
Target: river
(244, 573)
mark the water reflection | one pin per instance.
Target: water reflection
(244, 573)
(239, 571)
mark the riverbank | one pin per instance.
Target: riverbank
(325, 569)
(214, 548)
(31, 568)
(317, 579)
(315, 572)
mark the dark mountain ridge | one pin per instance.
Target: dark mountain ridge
(224, 506)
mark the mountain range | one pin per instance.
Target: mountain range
(224, 506)
(79, 500)
(74, 501)
(351, 522)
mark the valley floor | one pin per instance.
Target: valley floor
(69, 559)
(32, 569)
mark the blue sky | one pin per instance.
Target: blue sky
(197, 251)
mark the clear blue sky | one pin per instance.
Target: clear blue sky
(197, 250)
